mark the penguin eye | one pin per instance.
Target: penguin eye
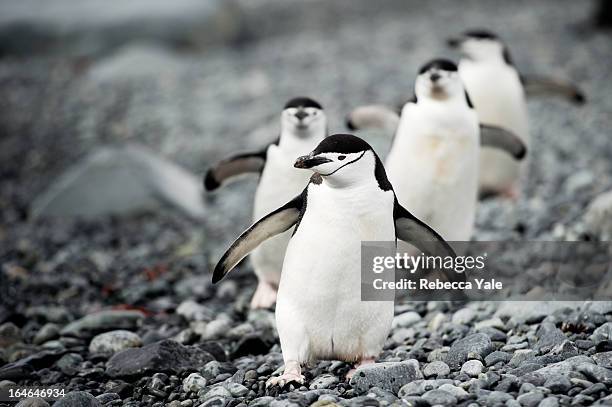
(341, 157)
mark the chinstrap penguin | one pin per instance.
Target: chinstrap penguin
(498, 92)
(433, 162)
(319, 312)
(303, 126)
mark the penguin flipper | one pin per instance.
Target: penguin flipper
(412, 230)
(373, 117)
(497, 137)
(233, 166)
(551, 86)
(270, 225)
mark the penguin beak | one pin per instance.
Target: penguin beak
(308, 161)
(453, 42)
(301, 114)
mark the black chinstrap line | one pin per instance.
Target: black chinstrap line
(339, 168)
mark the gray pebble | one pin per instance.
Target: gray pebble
(109, 343)
(324, 381)
(439, 397)
(549, 402)
(48, 332)
(32, 402)
(217, 391)
(558, 384)
(520, 356)
(472, 368)
(77, 399)
(457, 392)
(463, 316)
(406, 320)
(496, 357)
(436, 369)
(477, 344)
(194, 382)
(531, 399)
(237, 390)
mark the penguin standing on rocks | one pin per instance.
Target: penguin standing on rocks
(303, 126)
(433, 162)
(319, 312)
(498, 92)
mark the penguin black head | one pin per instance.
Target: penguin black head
(440, 64)
(344, 159)
(480, 33)
(302, 116)
(302, 101)
(481, 45)
(438, 79)
(475, 35)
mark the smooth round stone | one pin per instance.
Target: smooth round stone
(440, 397)
(472, 368)
(194, 382)
(109, 343)
(436, 368)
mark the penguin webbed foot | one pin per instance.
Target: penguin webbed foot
(285, 379)
(292, 374)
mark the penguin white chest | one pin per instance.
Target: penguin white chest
(499, 100)
(319, 309)
(279, 182)
(433, 167)
(497, 94)
(435, 143)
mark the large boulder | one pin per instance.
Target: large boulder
(121, 180)
(164, 356)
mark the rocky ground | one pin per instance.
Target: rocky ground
(121, 311)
